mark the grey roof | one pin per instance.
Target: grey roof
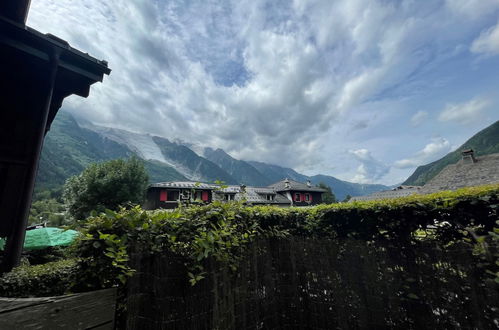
(484, 170)
(254, 195)
(291, 185)
(184, 184)
(399, 191)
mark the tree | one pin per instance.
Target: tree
(105, 185)
(50, 211)
(328, 197)
(347, 198)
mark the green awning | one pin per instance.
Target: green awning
(42, 238)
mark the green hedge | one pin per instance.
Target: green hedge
(223, 230)
(50, 279)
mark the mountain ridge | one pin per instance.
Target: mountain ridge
(70, 146)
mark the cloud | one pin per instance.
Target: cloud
(464, 112)
(418, 118)
(488, 42)
(264, 80)
(432, 151)
(370, 170)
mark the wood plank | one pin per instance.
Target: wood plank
(89, 310)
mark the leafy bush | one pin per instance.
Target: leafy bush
(222, 231)
(107, 185)
(54, 278)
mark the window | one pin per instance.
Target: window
(172, 195)
(270, 197)
(307, 197)
(198, 195)
(297, 197)
(229, 197)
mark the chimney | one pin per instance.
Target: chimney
(15, 10)
(468, 156)
(286, 184)
(309, 184)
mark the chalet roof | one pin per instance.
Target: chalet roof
(183, 184)
(254, 195)
(291, 185)
(484, 170)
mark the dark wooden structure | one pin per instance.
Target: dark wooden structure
(169, 195)
(37, 71)
(89, 310)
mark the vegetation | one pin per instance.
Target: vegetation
(328, 197)
(49, 211)
(50, 279)
(347, 198)
(107, 185)
(222, 232)
(69, 148)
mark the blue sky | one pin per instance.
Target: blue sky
(363, 90)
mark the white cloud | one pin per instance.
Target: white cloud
(432, 151)
(264, 80)
(488, 42)
(418, 118)
(465, 112)
(370, 170)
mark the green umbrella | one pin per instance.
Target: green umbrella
(42, 238)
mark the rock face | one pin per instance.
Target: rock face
(484, 170)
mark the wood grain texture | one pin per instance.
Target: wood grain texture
(89, 310)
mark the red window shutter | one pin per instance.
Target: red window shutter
(163, 196)
(204, 196)
(302, 197)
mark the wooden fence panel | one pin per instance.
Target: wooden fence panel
(89, 310)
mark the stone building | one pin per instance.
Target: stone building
(400, 191)
(468, 172)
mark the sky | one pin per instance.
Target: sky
(364, 90)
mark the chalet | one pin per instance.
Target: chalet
(251, 195)
(400, 191)
(469, 171)
(168, 195)
(299, 194)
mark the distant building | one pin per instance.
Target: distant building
(400, 191)
(299, 194)
(285, 193)
(469, 171)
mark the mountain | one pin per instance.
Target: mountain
(339, 187)
(240, 170)
(483, 143)
(72, 144)
(69, 148)
(193, 166)
(276, 173)
(343, 188)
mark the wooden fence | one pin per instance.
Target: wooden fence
(89, 310)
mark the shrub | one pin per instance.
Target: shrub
(222, 231)
(51, 279)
